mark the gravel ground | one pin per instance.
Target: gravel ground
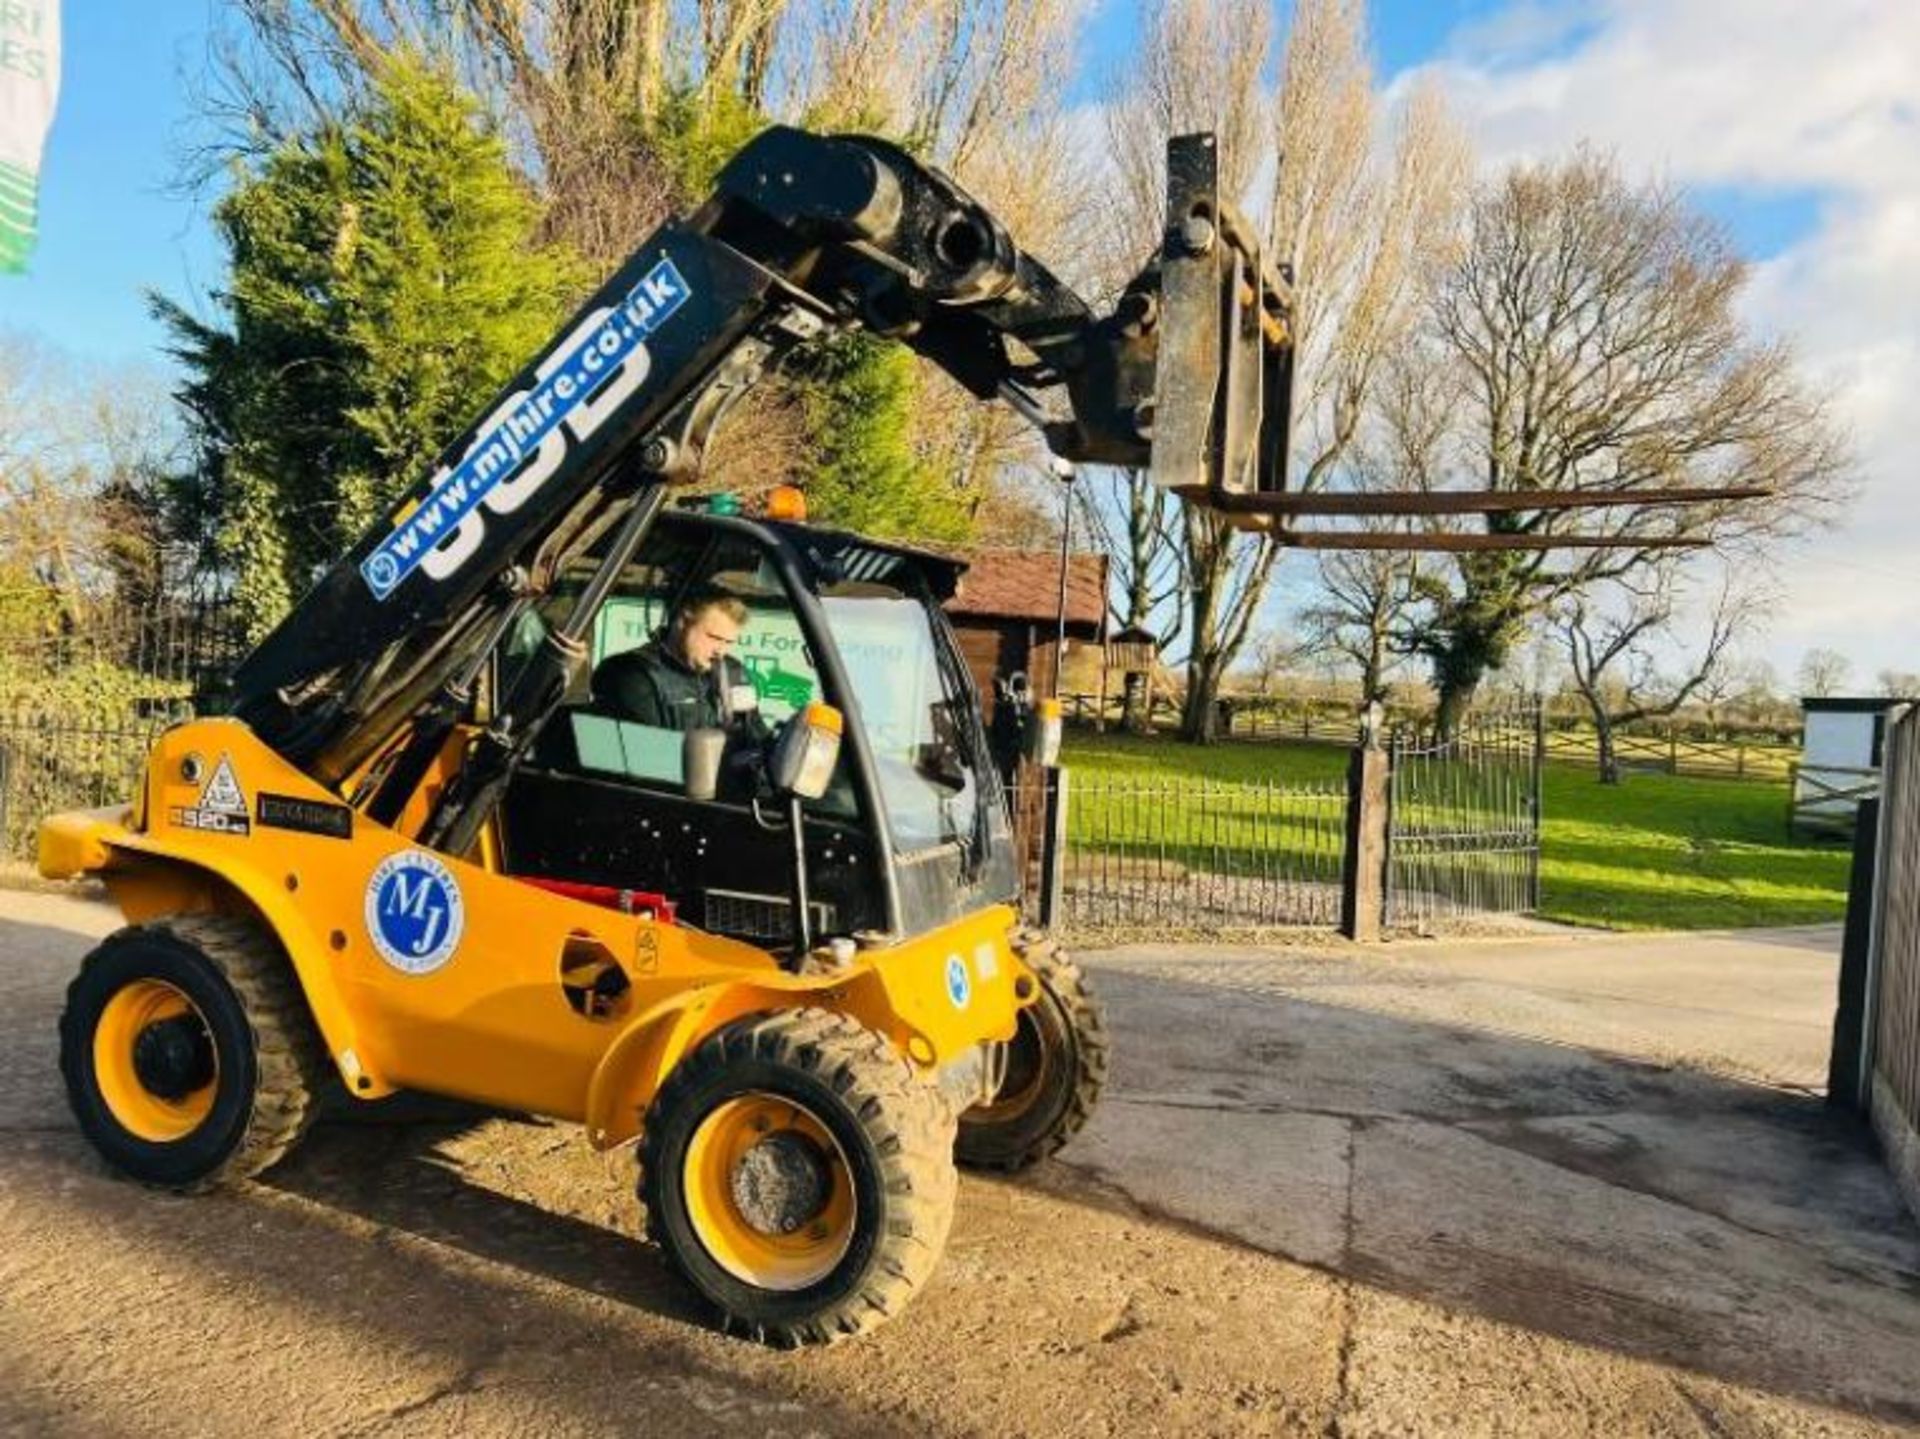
(1379, 1194)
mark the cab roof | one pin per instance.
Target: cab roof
(829, 556)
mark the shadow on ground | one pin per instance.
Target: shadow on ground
(1288, 1216)
(1743, 1233)
(1738, 1231)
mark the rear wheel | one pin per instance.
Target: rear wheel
(799, 1176)
(1056, 1066)
(188, 1053)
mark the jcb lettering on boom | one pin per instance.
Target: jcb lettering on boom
(519, 445)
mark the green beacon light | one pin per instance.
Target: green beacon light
(723, 504)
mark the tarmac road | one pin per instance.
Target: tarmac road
(1364, 1194)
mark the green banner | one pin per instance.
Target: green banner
(18, 212)
(29, 86)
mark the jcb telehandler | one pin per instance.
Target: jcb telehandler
(421, 852)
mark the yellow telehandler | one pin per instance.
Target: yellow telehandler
(770, 936)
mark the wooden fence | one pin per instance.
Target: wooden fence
(1669, 751)
(1827, 797)
(1892, 1013)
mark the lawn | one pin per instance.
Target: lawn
(1656, 852)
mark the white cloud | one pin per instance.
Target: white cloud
(1772, 97)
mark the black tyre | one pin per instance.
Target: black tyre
(799, 1176)
(1056, 1066)
(188, 1053)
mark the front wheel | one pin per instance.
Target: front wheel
(799, 1176)
(1056, 1066)
(188, 1053)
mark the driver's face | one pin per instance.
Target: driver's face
(706, 636)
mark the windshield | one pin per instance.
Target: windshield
(918, 716)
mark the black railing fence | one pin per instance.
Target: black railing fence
(1167, 855)
(47, 766)
(1139, 856)
(179, 647)
(1158, 854)
(84, 692)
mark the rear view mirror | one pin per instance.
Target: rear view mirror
(805, 753)
(700, 755)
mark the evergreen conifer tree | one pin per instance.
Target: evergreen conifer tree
(384, 281)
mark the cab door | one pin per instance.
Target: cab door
(602, 798)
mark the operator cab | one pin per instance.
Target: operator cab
(912, 828)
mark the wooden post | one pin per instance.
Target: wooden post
(1363, 879)
(1053, 851)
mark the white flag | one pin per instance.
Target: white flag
(29, 85)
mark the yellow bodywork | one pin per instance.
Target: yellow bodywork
(494, 1022)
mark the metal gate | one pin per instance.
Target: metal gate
(1463, 837)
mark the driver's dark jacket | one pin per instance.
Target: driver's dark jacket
(652, 685)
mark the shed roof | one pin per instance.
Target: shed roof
(1025, 585)
(1850, 704)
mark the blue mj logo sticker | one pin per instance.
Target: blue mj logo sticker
(959, 982)
(414, 911)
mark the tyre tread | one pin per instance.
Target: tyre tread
(1058, 973)
(911, 1127)
(289, 1060)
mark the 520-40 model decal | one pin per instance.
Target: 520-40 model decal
(576, 388)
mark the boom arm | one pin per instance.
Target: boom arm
(1189, 375)
(802, 234)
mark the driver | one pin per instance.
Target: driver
(684, 678)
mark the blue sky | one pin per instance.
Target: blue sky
(109, 227)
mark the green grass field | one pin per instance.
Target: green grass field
(1653, 853)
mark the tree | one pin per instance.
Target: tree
(1900, 684)
(384, 277)
(1824, 672)
(1365, 602)
(1273, 655)
(1137, 525)
(622, 110)
(83, 453)
(1587, 336)
(1611, 650)
(1349, 221)
(866, 475)
(1722, 687)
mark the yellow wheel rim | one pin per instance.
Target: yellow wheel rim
(769, 1192)
(149, 1050)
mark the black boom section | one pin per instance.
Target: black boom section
(803, 232)
(644, 343)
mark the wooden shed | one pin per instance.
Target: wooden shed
(1840, 758)
(1006, 613)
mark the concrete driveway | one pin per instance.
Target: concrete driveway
(1549, 1186)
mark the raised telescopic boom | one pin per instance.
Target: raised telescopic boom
(1188, 376)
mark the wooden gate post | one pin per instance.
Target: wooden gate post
(1363, 878)
(1053, 846)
